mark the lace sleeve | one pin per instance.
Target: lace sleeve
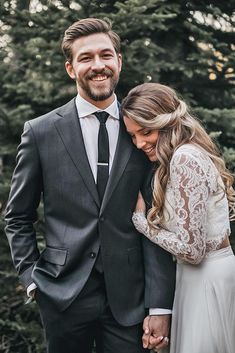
(190, 182)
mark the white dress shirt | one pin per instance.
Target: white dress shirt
(90, 128)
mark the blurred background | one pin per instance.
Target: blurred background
(189, 45)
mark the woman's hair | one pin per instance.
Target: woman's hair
(87, 27)
(158, 107)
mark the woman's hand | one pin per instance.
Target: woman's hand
(140, 205)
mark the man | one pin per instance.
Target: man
(97, 275)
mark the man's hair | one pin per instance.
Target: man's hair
(86, 27)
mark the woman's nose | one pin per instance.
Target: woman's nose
(140, 143)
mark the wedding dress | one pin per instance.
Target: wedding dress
(196, 223)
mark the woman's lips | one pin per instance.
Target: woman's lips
(149, 150)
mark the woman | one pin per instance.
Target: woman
(192, 195)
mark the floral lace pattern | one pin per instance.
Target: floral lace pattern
(195, 204)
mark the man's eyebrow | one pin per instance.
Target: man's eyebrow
(90, 52)
(108, 49)
(84, 53)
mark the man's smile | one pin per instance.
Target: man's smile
(99, 78)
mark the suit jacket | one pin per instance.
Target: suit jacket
(52, 162)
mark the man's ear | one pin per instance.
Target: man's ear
(70, 70)
(120, 62)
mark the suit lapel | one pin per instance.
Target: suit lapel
(69, 129)
(122, 155)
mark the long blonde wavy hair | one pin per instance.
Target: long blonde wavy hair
(158, 107)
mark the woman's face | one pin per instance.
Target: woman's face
(143, 137)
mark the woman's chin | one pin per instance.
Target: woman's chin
(152, 157)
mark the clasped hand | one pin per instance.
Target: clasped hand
(156, 332)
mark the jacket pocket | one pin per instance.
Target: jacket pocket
(54, 256)
(51, 262)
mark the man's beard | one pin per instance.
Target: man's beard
(105, 93)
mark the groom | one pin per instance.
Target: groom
(96, 277)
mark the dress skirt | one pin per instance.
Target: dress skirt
(203, 318)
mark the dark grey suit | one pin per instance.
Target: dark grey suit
(52, 162)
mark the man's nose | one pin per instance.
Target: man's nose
(98, 64)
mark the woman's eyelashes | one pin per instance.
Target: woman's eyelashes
(147, 132)
(143, 133)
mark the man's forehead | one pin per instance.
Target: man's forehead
(93, 42)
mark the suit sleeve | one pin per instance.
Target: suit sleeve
(21, 210)
(160, 269)
(159, 276)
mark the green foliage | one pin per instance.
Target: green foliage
(19, 325)
(186, 44)
(229, 156)
(222, 120)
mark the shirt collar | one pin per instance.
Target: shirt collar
(85, 108)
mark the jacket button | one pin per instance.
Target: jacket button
(92, 255)
(102, 219)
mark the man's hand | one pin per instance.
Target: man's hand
(156, 331)
(32, 293)
(31, 296)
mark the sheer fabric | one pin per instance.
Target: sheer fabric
(196, 208)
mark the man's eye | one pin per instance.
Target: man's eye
(84, 59)
(107, 56)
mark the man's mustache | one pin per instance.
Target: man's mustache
(105, 72)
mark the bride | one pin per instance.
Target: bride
(192, 196)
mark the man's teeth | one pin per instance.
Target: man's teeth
(99, 78)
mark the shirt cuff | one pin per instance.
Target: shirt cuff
(30, 288)
(157, 311)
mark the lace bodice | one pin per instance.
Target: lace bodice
(196, 208)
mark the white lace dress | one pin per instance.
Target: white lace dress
(197, 221)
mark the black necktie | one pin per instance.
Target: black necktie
(103, 154)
